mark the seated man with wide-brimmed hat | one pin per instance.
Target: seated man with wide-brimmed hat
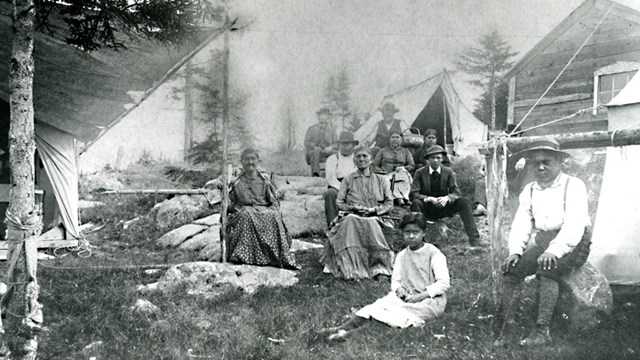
(553, 210)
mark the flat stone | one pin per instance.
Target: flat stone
(199, 241)
(211, 252)
(177, 236)
(206, 278)
(585, 297)
(209, 220)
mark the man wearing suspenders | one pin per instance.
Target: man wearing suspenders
(553, 210)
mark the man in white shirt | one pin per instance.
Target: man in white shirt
(336, 168)
(554, 209)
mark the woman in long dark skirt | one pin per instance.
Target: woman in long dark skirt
(257, 234)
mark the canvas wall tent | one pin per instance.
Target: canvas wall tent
(78, 96)
(434, 103)
(616, 236)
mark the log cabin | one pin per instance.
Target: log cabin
(610, 32)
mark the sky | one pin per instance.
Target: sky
(290, 47)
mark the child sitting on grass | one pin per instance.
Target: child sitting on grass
(418, 285)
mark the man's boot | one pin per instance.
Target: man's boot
(548, 298)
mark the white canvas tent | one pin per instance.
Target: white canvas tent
(616, 236)
(433, 103)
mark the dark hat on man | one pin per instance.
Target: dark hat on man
(542, 144)
(435, 149)
(323, 110)
(388, 107)
(347, 137)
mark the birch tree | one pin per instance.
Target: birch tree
(90, 24)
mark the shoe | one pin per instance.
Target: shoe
(315, 174)
(480, 210)
(478, 243)
(538, 337)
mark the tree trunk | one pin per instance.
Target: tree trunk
(22, 217)
(188, 111)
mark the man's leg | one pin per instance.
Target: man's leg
(314, 160)
(480, 198)
(548, 292)
(463, 207)
(330, 206)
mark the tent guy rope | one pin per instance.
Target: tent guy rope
(563, 69)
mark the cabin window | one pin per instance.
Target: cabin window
(608, 81)
(610, 85)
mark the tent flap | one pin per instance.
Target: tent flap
(57, 152)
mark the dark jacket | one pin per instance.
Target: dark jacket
(383, 134)
(320, 135)
(421, 186)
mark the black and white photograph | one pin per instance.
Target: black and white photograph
(319, 179)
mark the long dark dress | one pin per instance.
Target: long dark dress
(257, 234)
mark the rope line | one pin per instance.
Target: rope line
(564, 68)
(577, 113)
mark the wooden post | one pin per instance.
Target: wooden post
(444, 115)
(495, 167)
(188, 110)
(225, 122)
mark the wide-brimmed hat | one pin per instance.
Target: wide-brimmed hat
(347, 137)
(323, 110)
(435, 149)
(388, 107)
(542, 144)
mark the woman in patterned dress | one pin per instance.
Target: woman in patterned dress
(257, 234)
(419, 283)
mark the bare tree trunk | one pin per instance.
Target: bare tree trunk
(22, 217)
(492, 90)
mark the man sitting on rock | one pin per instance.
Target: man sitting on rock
(336, 168)
(435, 193)
(319, 141)
(554, 208)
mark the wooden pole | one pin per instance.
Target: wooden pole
(444, 115)
(574, 141)
(225, 122)
(157, 191)
(188, 110)
(495, 179)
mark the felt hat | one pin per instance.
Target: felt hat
(347, 137)
(388, 107)
(435, 149)
(542, 144)
(323, 110)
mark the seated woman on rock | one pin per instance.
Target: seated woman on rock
(418, 285)
(356, 247)
(397, 163)
(257, 234)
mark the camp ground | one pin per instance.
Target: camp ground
(70, 115)
(434, 104)
(136, 260)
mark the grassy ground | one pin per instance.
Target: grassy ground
(86, 306)
(87, 309)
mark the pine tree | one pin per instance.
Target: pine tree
(337, 96)
(486, 63)
(289, 128)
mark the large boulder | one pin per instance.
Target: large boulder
(585, 297)
(304, 215)
(209, 220)
(177, 236)
(199, 241)
(179, 209)
(206, 278)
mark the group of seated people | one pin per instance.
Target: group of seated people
(358, 201)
